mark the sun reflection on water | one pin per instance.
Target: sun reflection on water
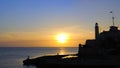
(62, 51)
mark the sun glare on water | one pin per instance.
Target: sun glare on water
(62, 38)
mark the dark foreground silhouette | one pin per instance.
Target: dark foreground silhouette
(58, 61)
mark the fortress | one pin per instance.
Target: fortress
(105, 43)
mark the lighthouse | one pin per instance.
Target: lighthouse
(96, 30)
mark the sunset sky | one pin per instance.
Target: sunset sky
(37, 23)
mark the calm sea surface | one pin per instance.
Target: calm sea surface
(12, 57)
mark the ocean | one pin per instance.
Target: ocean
(12, 57)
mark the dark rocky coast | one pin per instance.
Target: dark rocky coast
(64, 61)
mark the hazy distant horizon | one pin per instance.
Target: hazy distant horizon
(37, 47)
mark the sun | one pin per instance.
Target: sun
(62, 38)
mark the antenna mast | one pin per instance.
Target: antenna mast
(112, 17)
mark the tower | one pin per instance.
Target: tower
(112, 17)
(96, 30)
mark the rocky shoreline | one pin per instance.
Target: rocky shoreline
(58, 61)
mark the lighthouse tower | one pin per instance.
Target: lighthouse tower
(96, 30)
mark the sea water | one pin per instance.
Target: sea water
(12, 57)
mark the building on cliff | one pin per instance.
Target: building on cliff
(105, 43)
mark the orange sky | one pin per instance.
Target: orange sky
(42, 39)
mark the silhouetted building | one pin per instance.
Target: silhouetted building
(105, 43)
